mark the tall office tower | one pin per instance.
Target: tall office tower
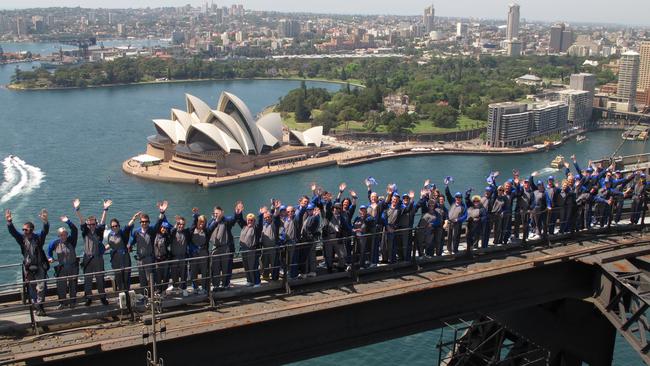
(21, 27)
(110, 18)
(555, 42)
(628, 77)
(567, 39)
(514, 47)
(644, 66)
(461, 29)
(513, 21)
(427, 18)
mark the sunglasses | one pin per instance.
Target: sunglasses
(27, 230)
(114, 226)
(144, 222)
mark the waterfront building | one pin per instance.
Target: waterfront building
(225, 141)
(628, 77)
(512, 124)
(548, 118)
(644, 66)
(428, 19)
(580, 106)
(587, 82)
(512, 29)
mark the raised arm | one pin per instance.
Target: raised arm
(107, 204)
(77, 210)
(74, 232)
(43, 215)
(12, 229)
(132, 221)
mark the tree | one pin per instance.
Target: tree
(444, 116)
(326, 119)
(398, 125)
(477, 111)
(302, 112)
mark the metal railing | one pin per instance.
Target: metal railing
(361, 252)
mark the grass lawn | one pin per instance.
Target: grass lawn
(422, 126)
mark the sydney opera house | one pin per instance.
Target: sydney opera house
(225, 141)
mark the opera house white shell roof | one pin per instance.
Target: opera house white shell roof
(231, 127)
(310, 137)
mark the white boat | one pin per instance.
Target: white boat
(420, 149)
(389, 152)
(580, 138)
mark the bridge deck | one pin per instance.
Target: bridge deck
(231, 314)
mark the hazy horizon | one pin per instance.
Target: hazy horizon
(625, 12)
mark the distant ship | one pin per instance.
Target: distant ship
(558, 162)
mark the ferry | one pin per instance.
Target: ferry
(580, 138)
(420, 149)
(636, 133)
(389, 152)
(558, 162)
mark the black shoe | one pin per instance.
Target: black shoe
(104, 301)
(40, 311)
(88, 302)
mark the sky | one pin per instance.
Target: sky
(633, 12)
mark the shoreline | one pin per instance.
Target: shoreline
(163, 173)
(347, 158)
(15, 87)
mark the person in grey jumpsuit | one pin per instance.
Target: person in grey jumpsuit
(93, 257)
(269, 225)
(223, 244)
(118, 243)
(35, 264)
(248, 239)
(68, 265)
(143, 239)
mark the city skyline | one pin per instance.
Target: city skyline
(627, 12)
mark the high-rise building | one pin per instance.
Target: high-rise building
(567, 40)
(644, 66)
(21, 27)
(628, 77)
(555, 42)
(121, 30)
(461, 29)
(585, 82)
(580, 104)
(512, 30)
(548, 118)
(110, 18)
(514, 124)
(561, 38)
(428, 18)
(288, 28)
(508, 124)
(514, 47)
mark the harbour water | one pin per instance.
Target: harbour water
(74, 141)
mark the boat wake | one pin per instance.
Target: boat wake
(546, 171)
(20, 178)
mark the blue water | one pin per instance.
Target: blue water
(79, 139)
